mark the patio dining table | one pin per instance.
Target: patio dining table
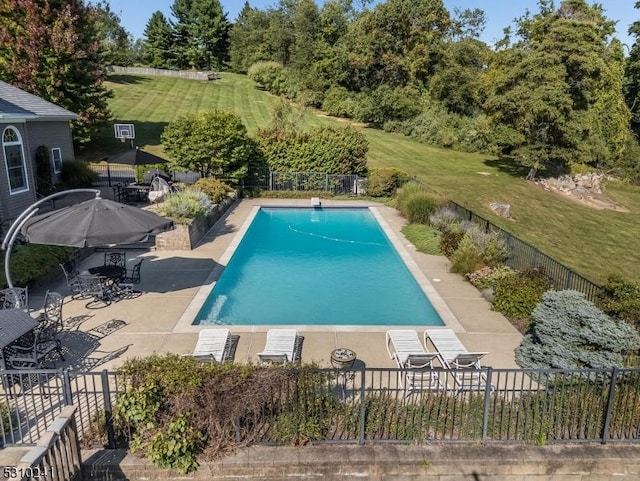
(137, 191)
(14, 323)
(108, 272)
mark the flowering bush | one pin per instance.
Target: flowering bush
(488, 277)
(186, 205)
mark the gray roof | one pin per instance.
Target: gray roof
(20, 105)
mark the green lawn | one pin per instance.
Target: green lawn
(595, 243)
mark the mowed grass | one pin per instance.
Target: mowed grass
(594, 242)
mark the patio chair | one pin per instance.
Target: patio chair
(213, 345)
(453, 355)
(132, 276)
(36, 354)
(92, 286)
(115, 258)
(50, 319)
(71, 276)
(416, 363)
(15, 298)
(280, 346)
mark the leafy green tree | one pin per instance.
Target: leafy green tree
(49, 48)
(550, 86)
(201, 34)
(632, 75)
(116, 43)
(306, 24)
(569, 332)
(158, 42)
(247, 43)
(457, 81)
(213, 143)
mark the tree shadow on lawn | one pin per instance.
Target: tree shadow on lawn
(125, 79)
(508, 165)
(106, 145)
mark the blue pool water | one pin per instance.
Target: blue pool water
(301, 266)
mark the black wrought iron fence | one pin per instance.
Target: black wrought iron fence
(113, 174)
(525, 256)
(338, 184)
(366, 405)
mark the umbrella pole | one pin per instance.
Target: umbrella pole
(22, 219)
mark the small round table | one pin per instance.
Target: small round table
(343, 358)
(110, 272)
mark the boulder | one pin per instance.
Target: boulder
(503, 210)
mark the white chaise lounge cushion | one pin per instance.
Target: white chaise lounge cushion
(212, 342)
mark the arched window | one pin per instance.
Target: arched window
(14, 160)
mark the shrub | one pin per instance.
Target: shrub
(265, 74)
(487, 277)
(518, 295)
(384, 182)
(444, 218)
(30, 261)
(569, 332)
(404, 193)
(419, 207)
(334, 150)
(425, 238)
(215, 189)
(491, 246)
(177, 408)
(339, 102)
(450, 240)
(415, 203)
(77, 174)
(467, 257)
(185, 205)
(620, 299)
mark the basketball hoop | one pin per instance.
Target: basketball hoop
(124, 132)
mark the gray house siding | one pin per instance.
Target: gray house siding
(39, 122)
(12, 205)
(51, 135)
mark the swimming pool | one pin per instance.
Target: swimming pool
(329, 266)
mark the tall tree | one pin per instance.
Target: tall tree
(306, 24)
(247, 44)
(49, 48)
(556, 83)
(632, 75)
(158, 42)
(116, 43)
(398, 42)
(201, 33)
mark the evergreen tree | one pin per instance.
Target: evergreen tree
(158, 43)
(246, 39)
(555, 86)
(49, 48)
(201, 34)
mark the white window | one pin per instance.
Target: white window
(14, 160)
(56, 158)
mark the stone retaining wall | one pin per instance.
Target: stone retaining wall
(390, 462)
(186, 237)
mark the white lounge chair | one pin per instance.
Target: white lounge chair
(158, 190)
(453, 355)
(404, 346)
(280, 346)
(212, 344)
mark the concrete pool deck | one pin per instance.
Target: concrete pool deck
(150, 323)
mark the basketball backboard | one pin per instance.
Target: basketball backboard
(124, 131)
